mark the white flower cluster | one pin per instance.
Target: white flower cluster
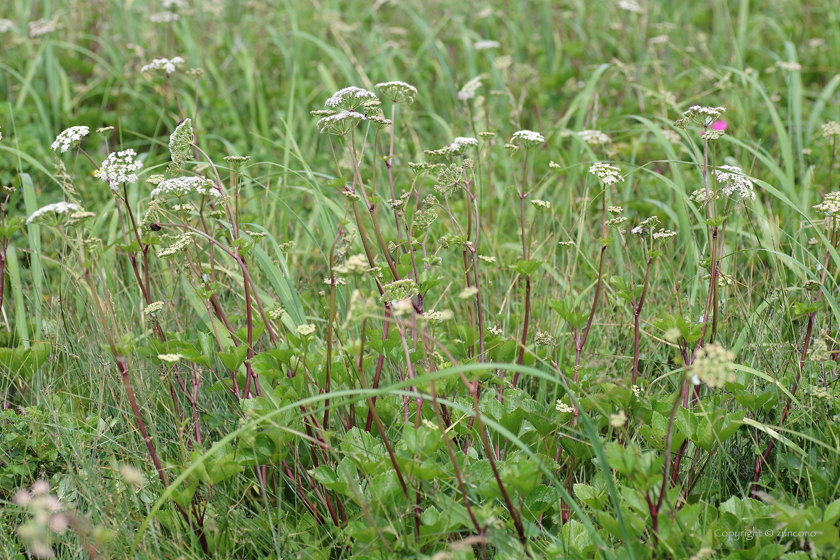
(164, 17)
(349, 98)
(163, 66)
(69, 138)
(704, 115)
(180, 143)
(398, 92)
(734, 182)
(544, 204)
(713, 366)
(630, 6)
(470, 89)
(153, 308)
(484, 45)
(664, 234)
(563, 408)
(788, 66)
(460, 145)
(830, 206)
(340, 123)
(6, 25)
(438, 316)
(119, 169)
(646, 226)
(42, 27)
(608, 174)
(54, 208)
(305, 330)
(181, 242)
(594, 137)
(528, 138)
(830, 129)
(180, 186)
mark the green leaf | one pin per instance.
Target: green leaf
(235, 359)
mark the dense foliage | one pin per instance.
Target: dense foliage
(419, 279)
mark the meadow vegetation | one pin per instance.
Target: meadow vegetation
(430, 280)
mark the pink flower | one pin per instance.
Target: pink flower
(720, 125)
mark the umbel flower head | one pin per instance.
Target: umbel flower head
(163, 66)
(830, 206)
(178, 245)
(830, 130)
(704, 116)
(69, 138)
(55, 212)
(398, 92)
(646, 226)
(180, 143)
(340, 123)
(734, 183)
(349, 98)
(399, 289)
(180, 186)
(460, 145)
(119, 169)
(528, 138)
(608, 174)
(236, 162)
(594, 137)
(713, 366)
(470, 89)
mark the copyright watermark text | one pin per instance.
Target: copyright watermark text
(755, 533)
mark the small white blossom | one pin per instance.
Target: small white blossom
(484, 45)
(119, 169)
(734, 182)
(6, 25)
(399, 92)
(618, 420)
(349, 98)
(153, 308)
(460, 145)
(704, 115)
(164, 17)
(830, 129)
(54, 208)
(664, 234)
(608, 174)
(470, 89)
(788, 66)
(163, 66)
(468, 293)
(42, 27)
(180, 186)
(305, 330)
(340, 123)
(830, 205)
(69, 138)
(528, 138)
(630, 6)
(179, 245)
(594, 137)
(563, 408)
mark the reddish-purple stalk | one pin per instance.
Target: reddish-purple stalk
(761, 459)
